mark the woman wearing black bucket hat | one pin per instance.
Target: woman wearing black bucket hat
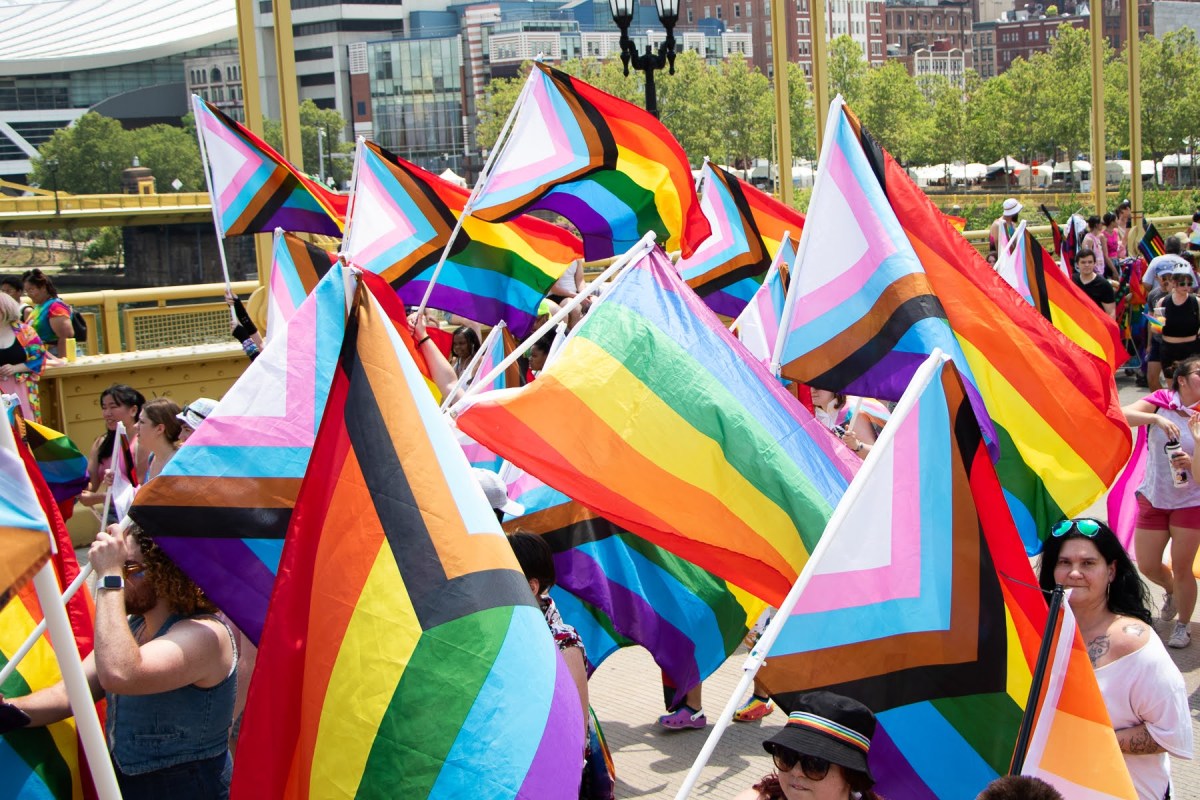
(821, 753)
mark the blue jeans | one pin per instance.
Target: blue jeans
(193, 780)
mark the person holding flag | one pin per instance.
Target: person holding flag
(1143, 690)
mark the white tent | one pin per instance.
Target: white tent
(1012, 165)
(453, 177)
(803, 175)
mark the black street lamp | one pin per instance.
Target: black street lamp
(648, 62)
(52, 163)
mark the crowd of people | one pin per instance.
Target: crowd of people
(173, 669)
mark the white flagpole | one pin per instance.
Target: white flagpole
(470, 370)
(645, 245)
(358, 155)
(33, 637)
(199, 109)
(480, 185)
(754, 660)
(78, 691)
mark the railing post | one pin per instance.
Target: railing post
(111, 320)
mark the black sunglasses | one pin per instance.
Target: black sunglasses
(814, 768)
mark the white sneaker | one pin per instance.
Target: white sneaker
(1168, 607)
(1180, 638)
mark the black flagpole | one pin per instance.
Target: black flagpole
(1035, 687)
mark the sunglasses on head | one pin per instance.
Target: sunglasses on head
(1087, 527)
(814, 768)
(186, 409)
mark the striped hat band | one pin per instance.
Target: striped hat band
(802, 719)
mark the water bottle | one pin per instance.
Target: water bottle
(1178, 474)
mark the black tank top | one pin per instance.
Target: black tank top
(13, 354)
(1181, 320)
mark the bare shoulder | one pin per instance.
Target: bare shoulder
(1127, 635)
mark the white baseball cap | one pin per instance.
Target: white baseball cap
(196, 412)
(497, 493)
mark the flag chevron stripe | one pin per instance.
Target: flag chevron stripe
(255, 190)
(494, 271)
(604, 164)
(356, 622)
(748, 227)
(1040, 389)
(436, 598)
(942, 693)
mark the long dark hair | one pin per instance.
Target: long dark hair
(123, 396)
(40, 280)
(471, 336)
(1127, 594)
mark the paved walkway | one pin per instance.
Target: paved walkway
(652, 762)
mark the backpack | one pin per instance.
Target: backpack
(80, 326)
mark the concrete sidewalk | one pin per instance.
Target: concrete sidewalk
(651, 762)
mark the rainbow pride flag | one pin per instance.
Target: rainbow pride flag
(24, 536)
(63, 467)
(296, 268)
(1031, 271)
(656, 417)
(1060, 435)
(240, 472)
(748, 229)
(404, 654)
(923, 606)
(221, 507)
(39, 763)
(1151, 245)
(253, 188)
(606, 165)
(401, 219)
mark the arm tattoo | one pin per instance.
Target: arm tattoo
(1138, 741)
(1134, 629)
(1097, 648)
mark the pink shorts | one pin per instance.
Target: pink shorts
(1150, 518)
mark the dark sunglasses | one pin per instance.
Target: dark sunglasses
(1088, 527)
(131, 570)
(1182, 282)
(814, 767)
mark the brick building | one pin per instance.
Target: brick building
(937, 27)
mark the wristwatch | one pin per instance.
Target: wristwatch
(111, 582)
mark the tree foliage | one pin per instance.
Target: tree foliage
(1039, 109)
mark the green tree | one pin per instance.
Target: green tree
(313, 120)
(85, 158)
(804, 130)
(1170, 72)
(687, 105)
(742, 95)
(848, 70)
(497, 101)
(171, 154)
(894, 111)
